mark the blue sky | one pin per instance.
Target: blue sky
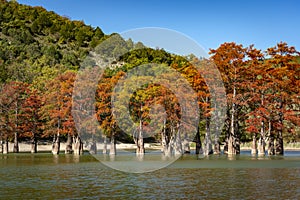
(209, 22)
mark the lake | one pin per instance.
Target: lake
(44, 176)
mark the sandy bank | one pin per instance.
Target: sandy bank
(25, 147)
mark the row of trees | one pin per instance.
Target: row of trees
(263, 95)
(29, 115)
(262, 104)
(262, 100)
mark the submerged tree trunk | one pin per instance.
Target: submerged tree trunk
(33, 145)
(78, 145)
(207, 139)
(93, 147)
(217, 148)
(225, 148)
(271, 148)
(56, 144)
(16, 143)
(1, 143)
(254, 145)
(68, 149)
(164, 142)
(113, 149)
(237, 138)
(185, 144)
(34, 140)
(198, 143)
(231, 138)
(104, 144)
(81, 147)
(5, 146)
(227, 132)
(178, 143)
(261, 141)
(216, 135)
(56, 140)
(279, 139)
(231, 147)
(170, 146)
(279, 144)
(140, 140)
(5, 141)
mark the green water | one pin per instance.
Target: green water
(44, 176)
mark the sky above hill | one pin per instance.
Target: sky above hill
(209, 22)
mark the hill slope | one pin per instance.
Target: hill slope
(36, 45)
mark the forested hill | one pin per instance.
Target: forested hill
(36, 45)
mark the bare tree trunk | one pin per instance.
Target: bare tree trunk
(279, 144)
(207, 139)
(56, 144)
(227, 133)
(178, 144)
(170, 149)
(261, 142)
(16, 143)
(113, 149)
(81, 147)
(93, 147)
(254, 145)
(1, 143)
(34, 140)
(78, 145)
(68, 149)
(279, 139)
(5, 142)
(217, 148)
(198, 143)
(104, 145)
(33, 145)
(271, 148)
(237, 138)
(185, 144)
(164, 145)
(232, 150)
(56, 140)
(164, 139)
(5, 146)
(225, 148)
(140, 140)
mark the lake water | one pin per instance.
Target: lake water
(44, 176)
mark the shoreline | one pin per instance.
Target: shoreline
(25, 147)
